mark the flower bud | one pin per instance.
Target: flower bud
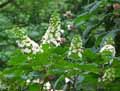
(70, 27)
(116, 6)
(68, 14)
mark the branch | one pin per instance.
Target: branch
(5, 3)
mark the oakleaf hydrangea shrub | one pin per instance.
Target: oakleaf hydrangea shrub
(51, 66)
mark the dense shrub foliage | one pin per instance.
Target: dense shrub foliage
(59, 45)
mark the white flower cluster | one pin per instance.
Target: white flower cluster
(23, 41)
(53, 34)
(47, 85)
(109, 75)
(28, 46)
(109, 48)
(76, 47)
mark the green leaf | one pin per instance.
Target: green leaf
(89, 55)
(34, 87)
(82, 17)
(93, 68)
(18, 58)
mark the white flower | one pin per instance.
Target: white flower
(28, 45)
(36, 81)
(76, 47)
(57, 34)
(69, 27)
(62, 31)
(47, 86)
(26, 50)
(53, 32)
(67, 80)
(20, 44)
(28, 81)
(79, 54)
(109, 48)
(35, 50)
(68, 14)
(109, 75)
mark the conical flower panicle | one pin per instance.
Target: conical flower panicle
(54, 31)
(76, 47)
(28, 46)
(109, 74)
(108, 46)
(23, 41)
(54, 23)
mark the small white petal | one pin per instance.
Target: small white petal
(28, 81)
(26, 50)
(67, 80)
